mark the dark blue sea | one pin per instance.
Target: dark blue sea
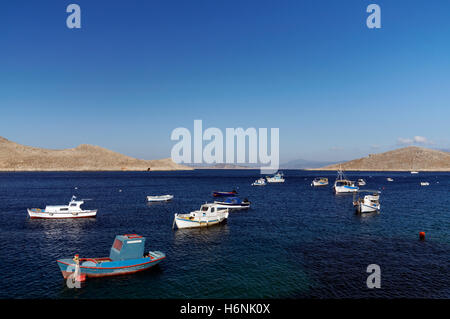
(294, 242)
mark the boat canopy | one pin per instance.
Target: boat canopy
(128, 246)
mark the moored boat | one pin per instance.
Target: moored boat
(233, 203)
(72, 210)
(343, 185)
(361, 182)
(224, 194)
(319, 181)
(126, 256)
(276, 178)
(389, 179)
(259, 182)
(208, 215)
(414, 172)
(369, 203)
(424, 184)
(159, 198)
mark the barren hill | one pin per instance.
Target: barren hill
(17, 157)
(404, 159)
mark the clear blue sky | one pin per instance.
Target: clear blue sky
(138, 69)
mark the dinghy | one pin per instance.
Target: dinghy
(126, 256)
(424, 184)
(361, 182)
(233, 203)
(72, 210)
(208, 215)
(160, 198)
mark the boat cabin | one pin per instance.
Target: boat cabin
(128, 246)
(74, 206)
(344, 182)
(373, 199)
(208, 208)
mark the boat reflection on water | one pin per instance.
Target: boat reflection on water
(201, 235)
(61, 228)
(365, 215)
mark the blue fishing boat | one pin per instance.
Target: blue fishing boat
(224, 194)
(233, 203)
(126, 257)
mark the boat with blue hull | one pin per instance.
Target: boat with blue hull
(233, 203)
(126, 257)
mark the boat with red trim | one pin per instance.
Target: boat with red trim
(126, 257)
(224, 194)
(72, 210)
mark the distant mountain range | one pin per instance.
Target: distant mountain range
(410, 158)
(17, 157)
(295, 164)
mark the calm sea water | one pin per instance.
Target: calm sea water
(295, 241)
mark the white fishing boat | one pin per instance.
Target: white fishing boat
(259, 182)
(367, 204)
(73, 210)
(319, 181)
(390, 179)
(424, 184)
(208, 215)
(361, 182)
(160, 198)
(277, 178)
(343, 185)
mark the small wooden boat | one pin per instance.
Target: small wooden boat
(72, 210)
(207, 215)
(319, 181)
(277, 178)
(160, 198)
(126, 257)
(259, 182)
(233, 203)
(369, 203)
(224, 194)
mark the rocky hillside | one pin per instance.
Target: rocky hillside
(16, 157)
(404, 159)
